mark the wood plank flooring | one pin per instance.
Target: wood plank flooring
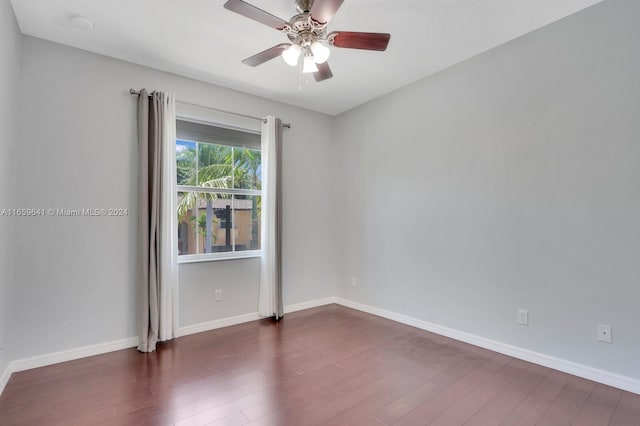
(323, 366)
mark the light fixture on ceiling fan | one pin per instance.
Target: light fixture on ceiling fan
(307, 33)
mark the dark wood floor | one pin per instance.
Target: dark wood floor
(329, 366)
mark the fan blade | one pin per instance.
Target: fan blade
(322, 11)
(252, 12)
(266, 55)
(366, 41)
(323, 73)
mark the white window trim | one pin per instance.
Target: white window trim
(224, 255)
(191, 112)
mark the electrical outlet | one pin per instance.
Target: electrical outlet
(523, 317)
(354, 282)
(604, 333)
(218, 295)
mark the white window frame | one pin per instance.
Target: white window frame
(189, 112)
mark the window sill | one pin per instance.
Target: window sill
(214, 257)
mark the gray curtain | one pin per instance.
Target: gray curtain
(270, 302)
(278, 139)
(157, 269)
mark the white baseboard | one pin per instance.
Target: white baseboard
(4, 378)
(308, 305)
(580, 370)
(63, 356)
(71, 354)
(223, 322)
(240, 319)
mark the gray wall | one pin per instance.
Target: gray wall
(9, 77)
(508, 181)
(78, 149)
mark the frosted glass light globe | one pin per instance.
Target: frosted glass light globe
(309, 65)
(320, 52)
(291, 55)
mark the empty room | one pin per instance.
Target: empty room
(320, 212)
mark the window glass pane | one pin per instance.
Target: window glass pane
(224, 231)
(246, 212)
(212, 222)
(188, 242)
(215, 168)
(248, 168)
(207, 222)
(186, 162)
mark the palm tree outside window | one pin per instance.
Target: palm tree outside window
(219, 185)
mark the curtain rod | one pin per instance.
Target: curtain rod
(264, 120)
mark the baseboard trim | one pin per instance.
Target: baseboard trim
(4, 379)
(223, 322)
(580, 370)
(240, 319)
(308, 305)
(71, 354)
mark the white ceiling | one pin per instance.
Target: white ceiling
(202, 40)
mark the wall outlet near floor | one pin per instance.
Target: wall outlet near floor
(218, 295)
(604, 333)
(523, 317)
(354, 282)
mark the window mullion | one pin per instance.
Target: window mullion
(188, 188)
(233, 223)
(197, 164)
(233, 167)
(194, 213)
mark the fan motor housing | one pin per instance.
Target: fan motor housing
(301, 32)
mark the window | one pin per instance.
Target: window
(219, 183)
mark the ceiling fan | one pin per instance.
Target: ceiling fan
(308, 36)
